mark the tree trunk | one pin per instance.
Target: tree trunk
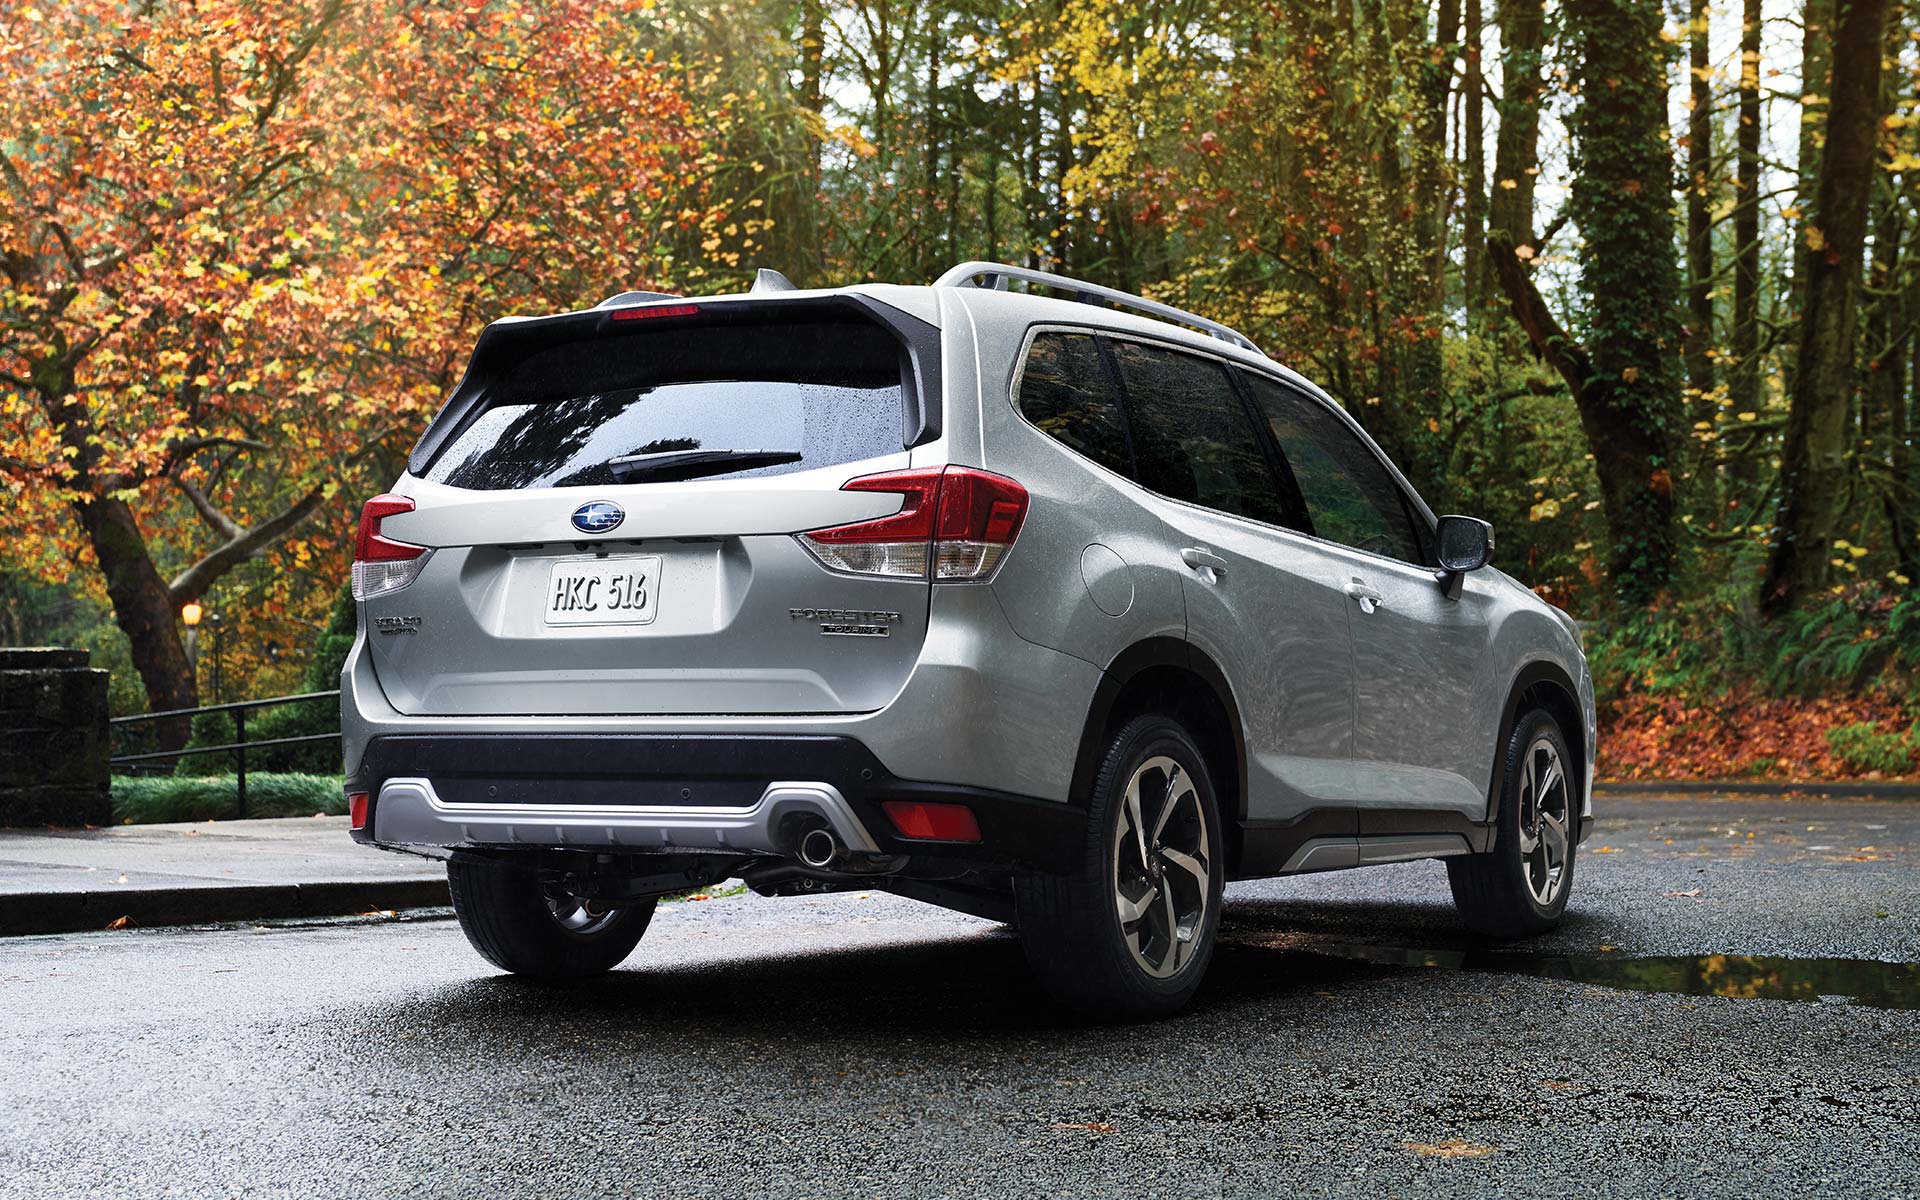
(1516, 147)
(1743, 383)
(1814, 472)
(1631, 405)
(1473, 236)
(1700, 341)
(143, 608)
(1816, 58)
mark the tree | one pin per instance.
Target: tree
(1625, 377)
(1815, 468)
(244, 246)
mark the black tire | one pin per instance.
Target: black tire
(1492, 891)
(1069, 923)
(504, 912)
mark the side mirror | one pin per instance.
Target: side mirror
(1465, 544)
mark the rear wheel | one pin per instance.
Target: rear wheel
(1520, 887)
(1129, 933)
(521, 923)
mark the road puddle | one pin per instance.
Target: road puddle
(1740, 976)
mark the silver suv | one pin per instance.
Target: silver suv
(1061, 610)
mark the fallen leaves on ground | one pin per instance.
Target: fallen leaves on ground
(1083, 1126)
(1452, 1148)
(1689, 895)
(120, 923)
(1738, 735)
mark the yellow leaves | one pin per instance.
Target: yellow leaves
(1816, 239)
(1630, 375)
(1747, 416)
(1546, 510)
(1523, 252)
(1452, 1148)
(1509, 184)
(193, 270)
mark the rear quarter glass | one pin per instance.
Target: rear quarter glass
(828, 390)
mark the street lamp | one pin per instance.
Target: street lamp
(190, 613)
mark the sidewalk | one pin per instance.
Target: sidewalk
(58, 881)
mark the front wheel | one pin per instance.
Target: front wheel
(1520, 887)
(521, 923)
(1129, 932)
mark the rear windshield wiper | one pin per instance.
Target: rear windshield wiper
(685, 464)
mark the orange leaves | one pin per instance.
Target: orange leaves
(282, 226)
(1739, 735)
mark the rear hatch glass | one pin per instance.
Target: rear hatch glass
(622, 409)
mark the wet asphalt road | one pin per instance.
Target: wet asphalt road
(863, 1045)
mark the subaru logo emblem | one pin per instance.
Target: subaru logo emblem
(600, 516)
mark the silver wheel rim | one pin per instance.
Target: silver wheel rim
(1162, 867)
(1544, 844)
(578, 914)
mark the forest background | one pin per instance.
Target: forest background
(1634, 281)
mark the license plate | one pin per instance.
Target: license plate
(604, 591)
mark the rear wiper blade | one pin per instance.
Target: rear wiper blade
(684, 464)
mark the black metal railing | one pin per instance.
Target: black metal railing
(237, 747)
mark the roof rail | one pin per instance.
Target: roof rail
(995, 275)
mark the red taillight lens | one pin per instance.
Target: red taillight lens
(356, 810)
(644, 311)
(959, 519)
(380, 564)
(369, 545)
(932, 822)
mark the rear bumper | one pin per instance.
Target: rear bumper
(638, 793)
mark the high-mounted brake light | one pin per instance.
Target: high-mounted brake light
(381, 564)
(958, 520)
(641, 312)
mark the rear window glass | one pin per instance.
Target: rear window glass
(1064, 392)
(1192, 436)
(814, 394)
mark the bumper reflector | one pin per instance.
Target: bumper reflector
(356, 810)
(932, 822)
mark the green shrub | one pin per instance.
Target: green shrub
(209, 729)
(147, 799)
(1866, 747)
(310, 716)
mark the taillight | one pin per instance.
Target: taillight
(356, 810)
(380, 564)
(958, 519)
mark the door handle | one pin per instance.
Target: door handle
(1368, 599)
(1197, 558)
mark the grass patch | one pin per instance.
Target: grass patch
(147, 799)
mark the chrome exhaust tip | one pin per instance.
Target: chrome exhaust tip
(820, 848)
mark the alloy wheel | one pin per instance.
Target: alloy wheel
(1544, 821)
(1162, 867)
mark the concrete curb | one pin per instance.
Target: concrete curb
(1696, 787)
(78, 912)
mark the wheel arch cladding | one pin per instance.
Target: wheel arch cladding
(1169, 676)
(1540, 684)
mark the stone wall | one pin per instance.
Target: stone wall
(53, 739)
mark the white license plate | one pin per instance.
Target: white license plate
(604, 591)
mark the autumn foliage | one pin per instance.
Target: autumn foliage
(246, 246)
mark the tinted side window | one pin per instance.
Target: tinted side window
(1349, 494)
(1191, 434)
(1064, 392)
